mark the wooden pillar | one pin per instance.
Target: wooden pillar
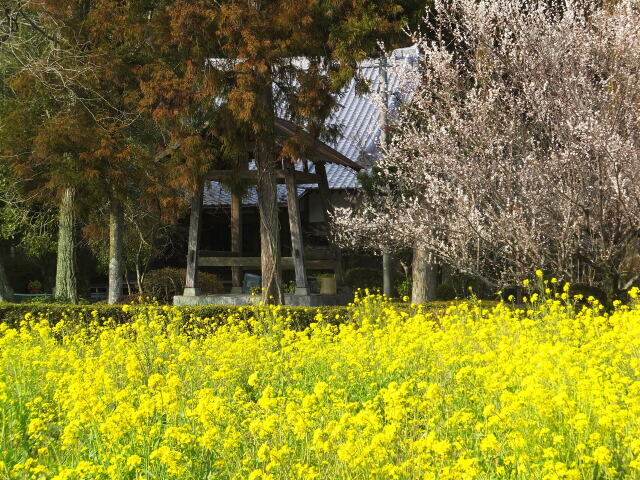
(295, 225)
(236, 240)
(325, 196)
(191, 284)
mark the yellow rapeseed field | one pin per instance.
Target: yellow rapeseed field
(548, 392)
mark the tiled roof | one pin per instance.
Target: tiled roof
(216, 194)
(339, 177)
(358, 118)
(359, 115)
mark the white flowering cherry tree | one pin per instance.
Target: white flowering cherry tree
(521, 147)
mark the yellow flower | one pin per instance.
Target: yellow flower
(489, 443)
(391, 392)
(133, 461)
(253, 379)
(306, 472)
(602, 455)
(255, 475)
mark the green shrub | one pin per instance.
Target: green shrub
(445, 291)
(590, 291)
(362, 277)
(163, 284)
(289, 287)
(404, 287)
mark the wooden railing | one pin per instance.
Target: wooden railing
(254, 262)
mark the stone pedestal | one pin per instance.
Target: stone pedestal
(311, 300)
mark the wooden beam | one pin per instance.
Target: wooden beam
(327, 207)
(191, 282)
(217, 253)
(254, 263)
(317, 151)
(301, 178)
(306, 178)
(295, 227)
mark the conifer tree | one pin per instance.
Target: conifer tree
(72, 127)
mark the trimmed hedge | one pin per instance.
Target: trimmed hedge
(363, 278)
(165, 283)
(13, 313)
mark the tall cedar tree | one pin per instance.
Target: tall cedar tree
(229, 66)
(71, 126)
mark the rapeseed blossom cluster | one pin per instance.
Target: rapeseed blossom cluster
(550, 391)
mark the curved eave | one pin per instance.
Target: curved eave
(319, 152)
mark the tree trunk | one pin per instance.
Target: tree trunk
(268, 200)
(66, 281)
(116, 226)
(126, 280)
(139, 279)
(6, 294)
(424, 277)
(387, 274)
(269, 231)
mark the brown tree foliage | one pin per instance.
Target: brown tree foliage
(226, 69)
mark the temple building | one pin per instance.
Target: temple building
(228, 241)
